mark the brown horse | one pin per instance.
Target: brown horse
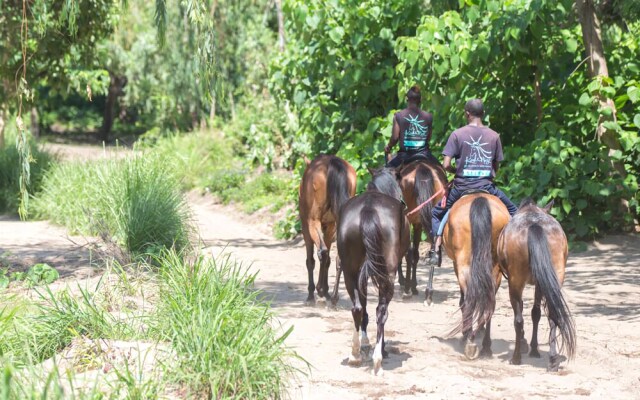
(419, 181)
(328, 182)
(533, 249)
(470, 239)
(373, 235)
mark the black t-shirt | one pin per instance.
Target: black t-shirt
(474, 148)
(415, 129)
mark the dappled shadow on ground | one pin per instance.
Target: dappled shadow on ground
(251, 243)
(604, 280)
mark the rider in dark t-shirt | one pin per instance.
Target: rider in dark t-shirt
(412, 128)
(478, 151)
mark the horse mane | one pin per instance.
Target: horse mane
(384, 181)
(527, 201)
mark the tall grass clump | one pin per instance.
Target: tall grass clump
(10, 172)
(221, 332)
(135, 201)
(194, 156)
(33, 334)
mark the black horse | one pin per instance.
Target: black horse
(373, 236)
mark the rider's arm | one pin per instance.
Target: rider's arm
(447, 165)
(395, 136)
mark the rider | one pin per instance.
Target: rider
(478, 152)
(412, 128)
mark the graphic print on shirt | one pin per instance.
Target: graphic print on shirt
(479, 161)
(415, 137)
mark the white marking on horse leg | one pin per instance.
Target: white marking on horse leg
(377, 359)
(355, 358)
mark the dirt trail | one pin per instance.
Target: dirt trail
(602, 288)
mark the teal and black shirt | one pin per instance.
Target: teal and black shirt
(415, 129)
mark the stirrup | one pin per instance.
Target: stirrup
(434, 257)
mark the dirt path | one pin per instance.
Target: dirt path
(603, 290)
(602, 287)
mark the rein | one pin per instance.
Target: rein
(426, 202)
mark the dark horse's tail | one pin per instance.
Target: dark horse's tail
(480, 297)
(547, 281)
(371, 233)
(423, 188)
(337, 184)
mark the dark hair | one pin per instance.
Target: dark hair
(413, 95)
(475, 108)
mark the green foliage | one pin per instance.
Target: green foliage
(338, 70)
(135, 201)
(222, 333)
(10, 168)
(501, 52)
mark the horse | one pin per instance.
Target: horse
(420, 181)
(470, 239)
(327, 183)
(373, 236)
(533, 249)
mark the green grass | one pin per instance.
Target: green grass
(221, 331)
(136, 202)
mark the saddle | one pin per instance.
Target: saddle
(417, 157)
(474, 191)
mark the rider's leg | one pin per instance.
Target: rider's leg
(503, 197)
(397, 160)
(437, 215)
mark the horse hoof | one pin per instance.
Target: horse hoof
(311, 301)
(426, 303)
(486, 353)
(355, 361)
(321, 300)
(534, 353)
(377, 369)
(471, 351)
(515, 360)
(406, 296)
(415, 291)
(554, 363)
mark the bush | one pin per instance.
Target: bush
(220, 330)
(134, 201)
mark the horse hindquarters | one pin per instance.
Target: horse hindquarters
(549, 285)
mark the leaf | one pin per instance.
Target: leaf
(483, 51)
(4, 281)
(566, 206)
(634, 94)
(581, 204)
(336, 34)
(571, 44)
(312, 21)
(585, 99)
(636, 120)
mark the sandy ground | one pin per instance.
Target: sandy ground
(602, 287)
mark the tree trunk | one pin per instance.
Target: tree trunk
(597, 64)
(281, 39)
(116, 86)
(35, 125)
(2, 124)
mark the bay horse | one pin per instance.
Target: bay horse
(533, 249)
(327, 183)
(420, 181)
(373, 236)
(470, 239)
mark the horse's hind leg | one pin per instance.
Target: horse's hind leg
(554, 359)
(417, 236)
(535, 318)
(336, 285)
(486, 342)
(308, 242)
(329, 231)
(382, 313)
(357, 313)
(515, 295)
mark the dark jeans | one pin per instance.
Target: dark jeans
(455, 193)
(403, 156)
